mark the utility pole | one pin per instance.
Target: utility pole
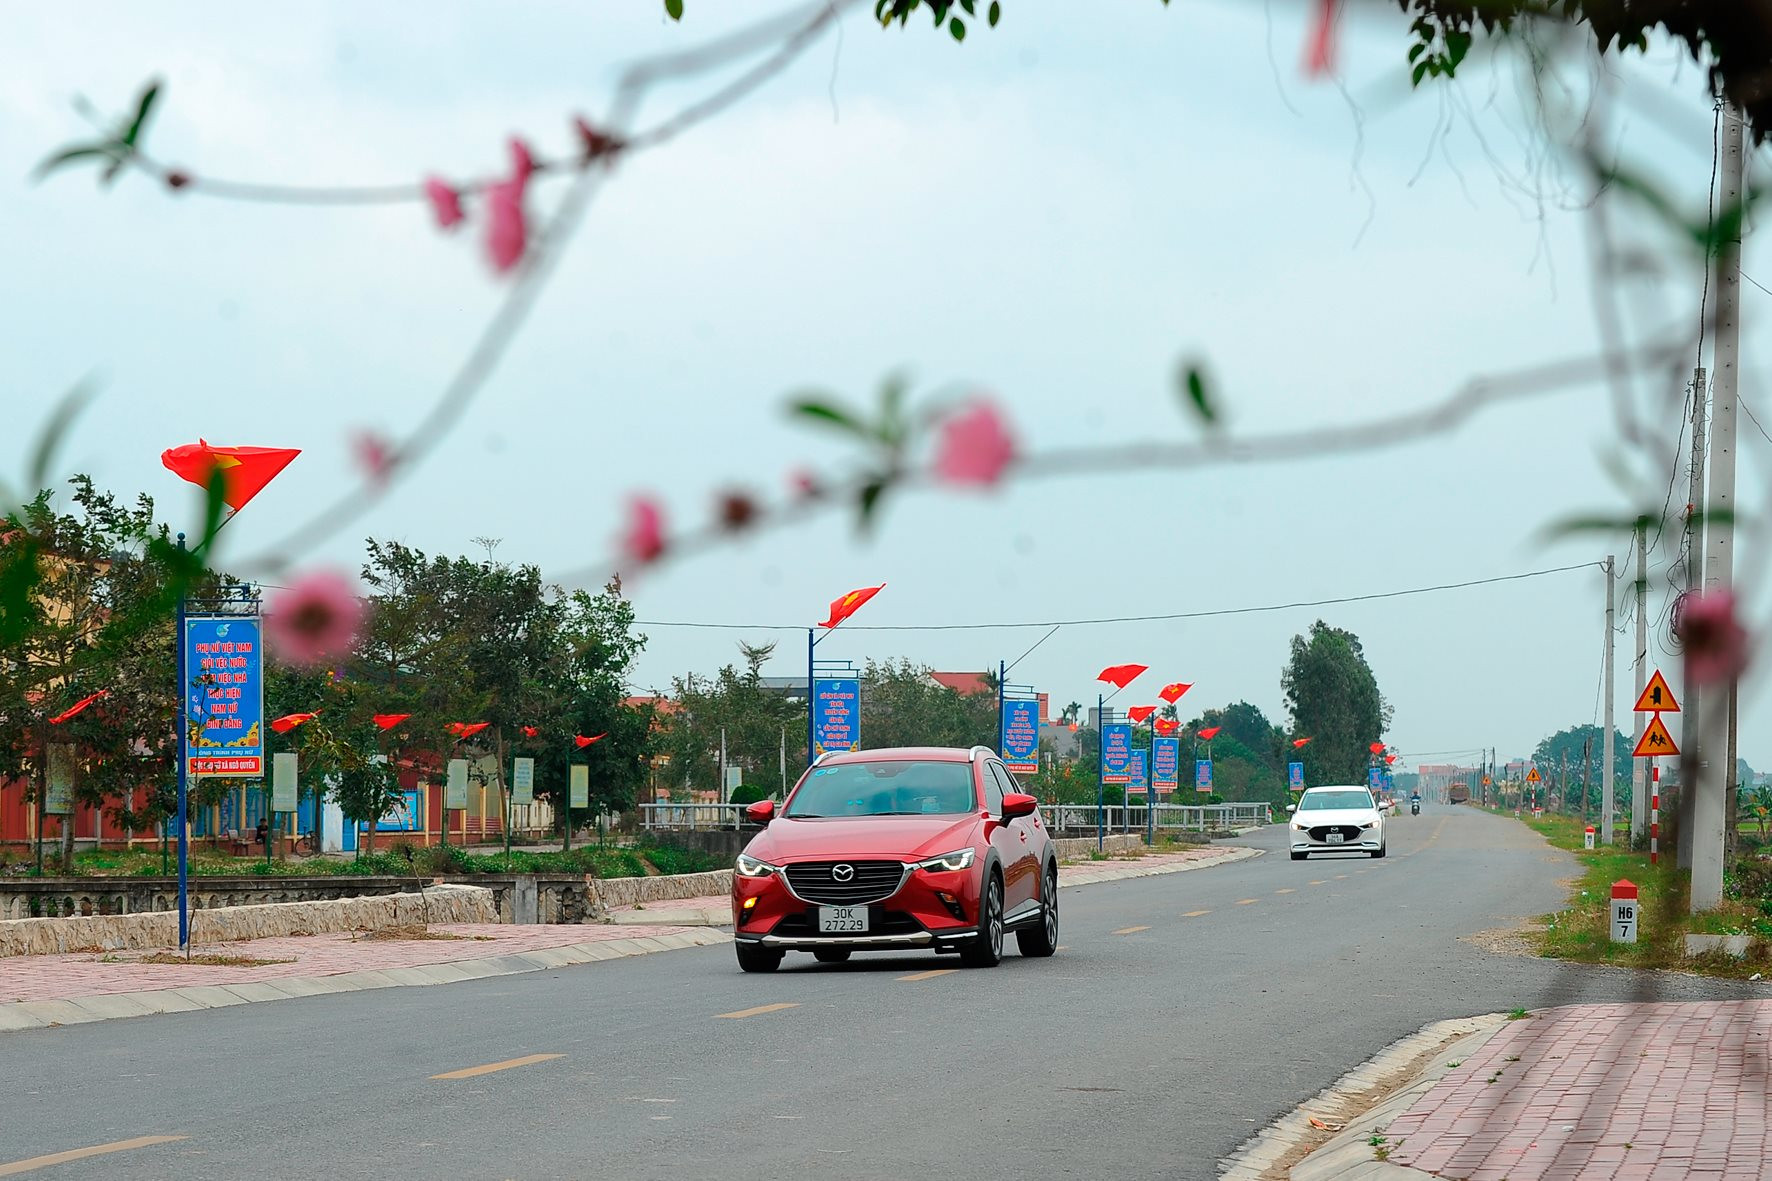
(1639, 779)
(1606, 741)
(1710, 799)
(1563, 781)
(1691, 724)
(1587, 762)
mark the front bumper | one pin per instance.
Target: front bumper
(1359, 841)
(930, 908)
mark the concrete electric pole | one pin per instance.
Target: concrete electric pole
(1606, 742)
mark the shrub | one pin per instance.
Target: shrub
(671, 859)
(749, 793)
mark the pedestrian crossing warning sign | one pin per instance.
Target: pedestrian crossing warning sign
(1655, 741)
(1656, 697)
(1532, 776)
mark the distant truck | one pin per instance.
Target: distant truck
(1458, 793)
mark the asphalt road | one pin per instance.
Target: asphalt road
(1184, 1013)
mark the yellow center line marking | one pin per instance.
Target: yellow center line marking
(1316, 883)
(1062, 947)
(1194, 914)
(1339, 876)
(931, 974)
(1130, 930)
(74, 1154)
(493, 1067)
(1287, 890)
(1247, 901)
(759, 1010)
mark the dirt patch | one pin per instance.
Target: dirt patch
(418, 933)
(209, 960)
(1520, 937)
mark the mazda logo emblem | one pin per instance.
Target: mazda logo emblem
(842, 873)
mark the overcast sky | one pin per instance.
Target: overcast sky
(1055, 212)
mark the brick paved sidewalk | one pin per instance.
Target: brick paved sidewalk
(1649, 1091)
(61, 977)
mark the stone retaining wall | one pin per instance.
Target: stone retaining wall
(619, 892)
(1079, 848)
(436, 904)
(24, 898)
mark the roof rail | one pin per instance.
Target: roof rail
(988, 753)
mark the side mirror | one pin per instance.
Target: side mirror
(1291, 807)
(761, 812)
(1016, 803)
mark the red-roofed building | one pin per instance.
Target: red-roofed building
(968, 684)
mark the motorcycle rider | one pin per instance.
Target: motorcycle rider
(1415, 803)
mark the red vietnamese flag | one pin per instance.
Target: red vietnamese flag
(1376, 748)
(63, 716)
(1166, 726)
(388, 721)
(466, 729)
(1172, 693)
(850, 603)
(584, 742)
(288, 722)
(1390, 759)
(1139, 713)
(530, 731)
(1210, 732)
(1121, 675)
(1297, 743)
(245, 470)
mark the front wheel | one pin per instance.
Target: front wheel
(987, 948)
(1043, 939)
(1378, 852)
(754, 957)
(1298, 856)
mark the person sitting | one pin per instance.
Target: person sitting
(263, 832)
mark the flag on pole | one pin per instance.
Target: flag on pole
(1139, 713)
(74, 709)
(389, 721)
(1172, 693)
(466, 729)
(1299, 743)
(584, 742)
(1166, 726)
(288, 722)
(1121, 675)
(850, 603)
(1210, 732)
(245, 470)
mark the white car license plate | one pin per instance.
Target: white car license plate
(1333, 838)
(842, 920)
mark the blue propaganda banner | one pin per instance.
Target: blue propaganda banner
(836, 715)
(1137, 783)
(1375, 778)
(1202, 774)
(225, 698)
(1019, 741)
(1166, 764)
(1295, 775)
(1116, 753)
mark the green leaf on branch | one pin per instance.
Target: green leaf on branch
(1193, 384)
(674, 9)
(994, 14)
(142, 107)
(868, 502)
(957, 28)
(71, 156)
(830, 415)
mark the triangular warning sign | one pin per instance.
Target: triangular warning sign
(1656, 697)
(1532, 776)
(1655, 741)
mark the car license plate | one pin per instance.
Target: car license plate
(1333, 838)
(842, 920)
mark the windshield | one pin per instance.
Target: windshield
(1321, 801)
(887, 788)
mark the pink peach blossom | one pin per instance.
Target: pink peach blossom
(375, 457)
(1716, 644)
(445, 203)
(522, 161)
(507, 226)
(315, 619)
(644, 540)
(1320, 50)
(975, 446)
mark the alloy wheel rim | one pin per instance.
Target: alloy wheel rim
(996, 905)
(1052, 908)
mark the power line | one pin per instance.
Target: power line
(1163, 618)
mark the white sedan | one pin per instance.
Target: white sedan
(1342, 819)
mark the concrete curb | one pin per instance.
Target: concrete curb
(79, 1010)
(1107, 871)
(1398, 1072)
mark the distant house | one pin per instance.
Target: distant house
(969, 684)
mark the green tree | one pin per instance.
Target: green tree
(1332, 695)
(902, 705)
(756, 721)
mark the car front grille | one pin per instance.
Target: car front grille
(880, 922)
(869, 881)
(1349, 832)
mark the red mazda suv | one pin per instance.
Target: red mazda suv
(878, 850)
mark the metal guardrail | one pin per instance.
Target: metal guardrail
(1063, 817)
(1168, 818)
(691, 816)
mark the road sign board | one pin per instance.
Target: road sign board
(1655, 741)
(1532, 776)
(1656, 697)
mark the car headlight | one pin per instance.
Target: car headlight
(1299, 826)
(750, 867)
(948, 862)
(1369, 824)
